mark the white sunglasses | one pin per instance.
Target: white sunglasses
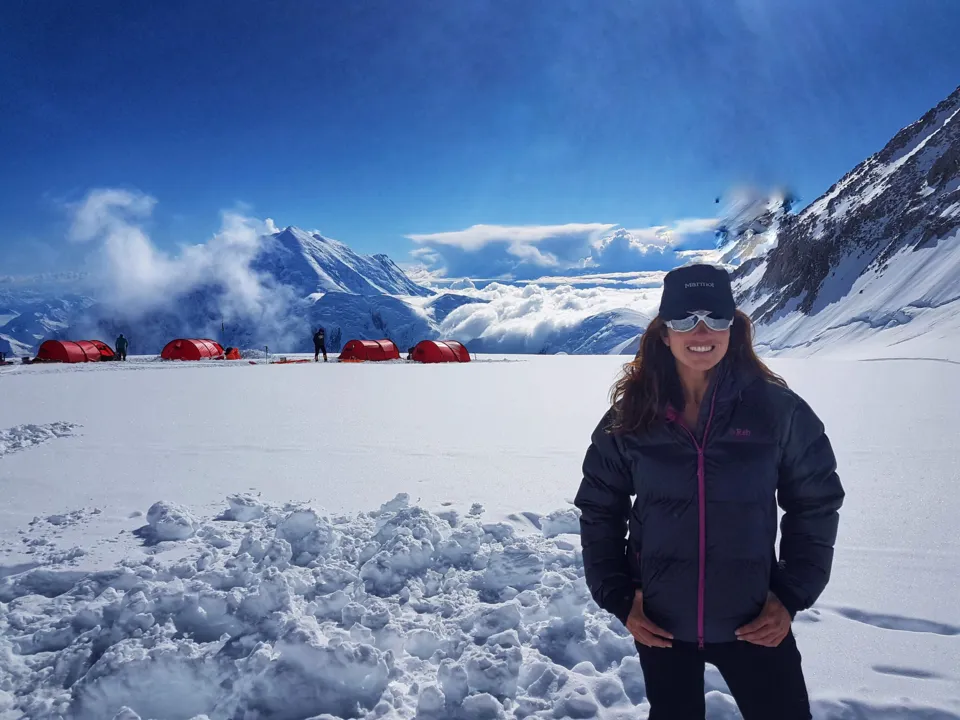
(697, 316)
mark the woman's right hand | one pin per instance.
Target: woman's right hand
(643, 629)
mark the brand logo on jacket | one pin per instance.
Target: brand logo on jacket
(740, 432)
(698, 284)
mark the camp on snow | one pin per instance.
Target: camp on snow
(426, 351)
(194, 349)
(369, 350)
(74, 351)
(438, 351)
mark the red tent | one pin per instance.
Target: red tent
(106, 352)
(191, 350)
(370, 350)
(68, 351)
(437, 351)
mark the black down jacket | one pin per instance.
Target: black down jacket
(703, 523)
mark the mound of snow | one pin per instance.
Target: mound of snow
(562, 522)
(169, 521)
(243, 508)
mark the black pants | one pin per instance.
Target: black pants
(123, 354)
(767, 683)
(317, 349)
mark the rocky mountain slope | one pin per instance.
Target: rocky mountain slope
(876, 259)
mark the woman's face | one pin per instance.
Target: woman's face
(701, 349)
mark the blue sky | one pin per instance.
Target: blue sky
(377, 120)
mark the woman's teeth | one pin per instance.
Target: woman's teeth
(700, 348)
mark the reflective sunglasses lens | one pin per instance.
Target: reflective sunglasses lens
(717, 323)
(684, 324)
(690, 322)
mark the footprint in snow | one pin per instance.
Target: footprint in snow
(527, 517)
(898, 622)
(915, 673)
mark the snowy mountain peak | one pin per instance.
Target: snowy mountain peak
(311, 263)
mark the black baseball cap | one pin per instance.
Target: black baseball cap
(697, 287)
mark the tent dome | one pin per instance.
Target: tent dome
(74, 351)
(371, 350)
(191, 349)
(437, 351)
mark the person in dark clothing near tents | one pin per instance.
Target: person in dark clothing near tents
(122, 347)
(701, 444)
(319, 345)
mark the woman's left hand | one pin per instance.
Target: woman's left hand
(770, 627)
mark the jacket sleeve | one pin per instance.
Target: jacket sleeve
(810, 494)
(604, 503)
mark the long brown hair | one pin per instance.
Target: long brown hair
(651, 379)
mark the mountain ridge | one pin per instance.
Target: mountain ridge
(876, 251)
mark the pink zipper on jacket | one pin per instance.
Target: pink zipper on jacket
(702, 507)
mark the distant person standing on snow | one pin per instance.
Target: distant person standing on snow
(319, 345)
(701, 444)
(122, 347)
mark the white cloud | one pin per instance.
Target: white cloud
(479, 236)
(628, 280)
(527, 252)
(533, 255)
(525, 318)
(508, 252)
(105, 210)
(690, 226)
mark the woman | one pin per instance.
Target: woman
(709, 441)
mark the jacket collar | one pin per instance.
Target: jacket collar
(726, 387)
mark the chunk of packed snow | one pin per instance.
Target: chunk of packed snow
(561, 522)
(169, 521)
(243, 508)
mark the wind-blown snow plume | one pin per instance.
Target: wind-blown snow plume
(750, 222)
(138, 279)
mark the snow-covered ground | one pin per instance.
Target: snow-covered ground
(908, 308)
(397, 541)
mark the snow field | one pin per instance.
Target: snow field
(205, 545)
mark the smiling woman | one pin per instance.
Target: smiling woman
(706, 441)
